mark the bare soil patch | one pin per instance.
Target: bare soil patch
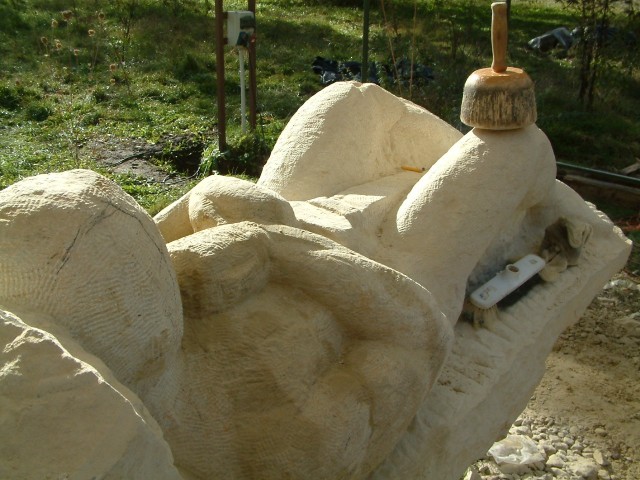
(136, 156)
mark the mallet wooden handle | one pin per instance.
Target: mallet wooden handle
(499, 31)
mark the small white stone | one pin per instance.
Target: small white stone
(568, 440)
(573, 430)
(585, 468)
(562, 446)
(472, 474)
(559, 473)
(600, 458)
(603, 475)
(538, 466)
(555, 461)
(522, 430)
(548, 448)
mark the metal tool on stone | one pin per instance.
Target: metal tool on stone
(500, 97)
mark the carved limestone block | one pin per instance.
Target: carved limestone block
(308, 325)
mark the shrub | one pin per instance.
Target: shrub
(37, 112)
(189, 67)
(9, 98)
(246, 155)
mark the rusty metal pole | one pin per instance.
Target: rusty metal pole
(253, 85)
(220, 41)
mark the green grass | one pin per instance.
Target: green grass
(151, 196)
(149, 71)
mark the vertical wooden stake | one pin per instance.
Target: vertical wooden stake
(253, 85)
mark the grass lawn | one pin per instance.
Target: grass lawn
(72, 72)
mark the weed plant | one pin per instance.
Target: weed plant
(126, 69)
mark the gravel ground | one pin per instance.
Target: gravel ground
(584, 417)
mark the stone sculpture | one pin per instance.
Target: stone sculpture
(256, 331)
(64, 414)
(292, 350)
(308, 326)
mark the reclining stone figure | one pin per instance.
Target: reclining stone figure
(306, 326)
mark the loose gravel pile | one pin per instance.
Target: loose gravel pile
(584, 418)
(569, 453)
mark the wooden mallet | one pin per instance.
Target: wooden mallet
(500, 97)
